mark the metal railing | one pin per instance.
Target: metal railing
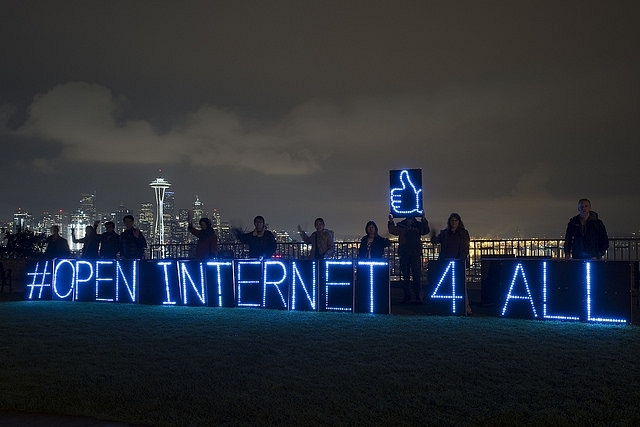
(620, 249)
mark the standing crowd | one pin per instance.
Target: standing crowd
(585, 238)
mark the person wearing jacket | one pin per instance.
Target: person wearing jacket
(261, 242)
(90, 241)
(57, 246)
(372, 245)
(586, 236)
(409, 232)
(109, 241)
(207, 246)
(132, 241)
(321, 240)
(454, 245)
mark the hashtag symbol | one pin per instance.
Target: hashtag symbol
(39, 279)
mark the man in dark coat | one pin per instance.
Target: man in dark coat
(586, 236)
(409, 232)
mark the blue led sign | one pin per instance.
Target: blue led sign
(588, 291)
(372, 292)
(446, 292)
(405, 192)
(304, 285)
(337, 285)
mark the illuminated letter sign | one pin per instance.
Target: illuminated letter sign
(192, 283)
(161, 284)
(85, 281)
(249, 283)
(372, 287)
(64, 277)
(220, 287)
(607, 302)
(105, 288)
(275, 291)
(127, 284)
(39, 278)
(447, 296)
(519, 290)
(405, 192)
(304, 285)
(562, 294)
(338, 285)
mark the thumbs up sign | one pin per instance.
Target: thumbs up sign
(406, 199)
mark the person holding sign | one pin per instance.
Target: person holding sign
(410, 232)
(321, 240)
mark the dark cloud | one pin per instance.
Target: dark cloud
(513, 110)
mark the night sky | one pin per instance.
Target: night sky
(295, 110)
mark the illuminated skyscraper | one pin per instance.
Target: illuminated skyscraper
(169, 217)
(88, 207)
(216, 220)
(198, 209)
(122, 211)
(21, 220)
(145, 220)
(159, 186)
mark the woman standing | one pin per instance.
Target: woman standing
(454, 245)
(372, 245)
(207, 246)
(321, 240)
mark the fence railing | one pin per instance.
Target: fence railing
(620, 249)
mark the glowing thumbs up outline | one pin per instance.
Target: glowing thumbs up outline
(396, 196)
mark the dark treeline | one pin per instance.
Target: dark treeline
(22, 244)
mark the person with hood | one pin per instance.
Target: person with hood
(207, 246)
(586, 236)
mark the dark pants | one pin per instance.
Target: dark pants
(410, 266)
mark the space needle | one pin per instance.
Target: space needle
(159, 186)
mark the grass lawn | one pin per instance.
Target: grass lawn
(171, 366)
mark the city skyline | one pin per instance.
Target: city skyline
(297, 110)
(146, 214)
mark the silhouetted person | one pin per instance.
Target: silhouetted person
(57, 246)
(586, 236)
(321, 240)
(132, 241)
(207, 246)
(90, 241)
(372, 245)
(262, 242)
(109, 241)
(409, 232)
